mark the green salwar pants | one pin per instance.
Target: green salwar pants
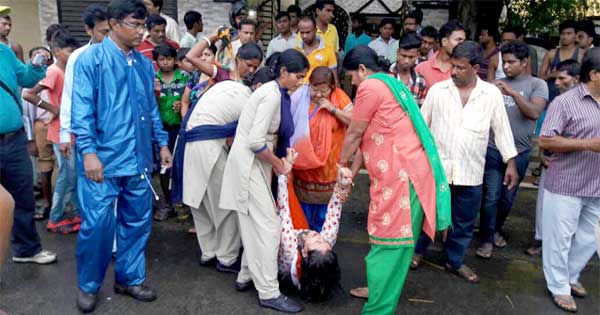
(387, 267)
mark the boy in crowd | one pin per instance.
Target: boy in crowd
(295, 13)
(404, 68)
(169, 86)
(358, 36)
(429, 43)
(65, 189)
(327, 31)
(155, 24)
(525, 98)
(36, 122)
(193, 23)
(286, 38)
(586, 32)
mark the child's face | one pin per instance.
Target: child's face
(166, 64)
(186, 65)
(62, 54)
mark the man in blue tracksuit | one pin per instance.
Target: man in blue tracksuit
(115, 120)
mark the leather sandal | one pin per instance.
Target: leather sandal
(565, 303)
(577, 290)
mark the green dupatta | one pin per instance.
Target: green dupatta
(442, 195)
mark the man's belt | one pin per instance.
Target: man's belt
(9, 135)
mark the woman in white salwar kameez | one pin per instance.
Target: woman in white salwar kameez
(261, 140)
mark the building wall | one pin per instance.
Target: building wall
(25, 20)
(48, 15)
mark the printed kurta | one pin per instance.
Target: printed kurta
(393, 155)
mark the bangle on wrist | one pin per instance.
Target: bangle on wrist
(39, 103)
(333, 110)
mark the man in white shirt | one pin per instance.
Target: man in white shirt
(384, 44)
(172, 30)
(286, 39)
(193, 23)
(460, 113)
(246, 34)
(95, 19)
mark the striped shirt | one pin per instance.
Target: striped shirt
(576, 115)
(462, 132)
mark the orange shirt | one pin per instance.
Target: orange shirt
(432, 73)
(53, 82)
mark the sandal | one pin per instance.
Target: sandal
(485, 251)
(499, 240)
(361, 292)
(578, 290)
(464, 272)
(416, 261)
(565, 303)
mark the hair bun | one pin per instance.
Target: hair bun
(383, 63)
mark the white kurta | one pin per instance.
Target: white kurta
(204, 162)
(246, 189)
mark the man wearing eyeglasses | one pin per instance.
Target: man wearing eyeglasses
(115, 120)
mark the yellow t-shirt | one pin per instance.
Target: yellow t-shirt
(330, 37)
(323, 56)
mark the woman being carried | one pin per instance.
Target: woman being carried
(321, 113)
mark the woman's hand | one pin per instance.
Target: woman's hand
(326, 104)
(283, 168)
(177, 106)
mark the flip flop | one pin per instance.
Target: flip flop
(464, 272)
(565, 303)
(361, 292)
(577, 290)
(485, 251)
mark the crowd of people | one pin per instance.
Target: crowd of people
(261, 145)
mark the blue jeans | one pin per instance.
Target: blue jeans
(497, 198)
(66, 185)
(315, 215)
(465, 203)
(16, 176)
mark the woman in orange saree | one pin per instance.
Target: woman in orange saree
(321, 113)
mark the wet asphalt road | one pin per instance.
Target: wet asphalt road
(511, 282)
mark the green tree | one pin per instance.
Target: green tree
(542, 16)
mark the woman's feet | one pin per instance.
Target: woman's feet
(361, 292)
(565, 303)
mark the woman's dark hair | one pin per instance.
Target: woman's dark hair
(191, 18)
(364, 55)
(429, 31)
(93, 14)
(386, 21)
(469, 50)
(182, 52)
(517, 48)
(591, 62)
(164, 50)
(409, 41)
(120, 9)
(320, 275)
(322, 75)
(34, 49)
(154, 20)
(262, 75)
(250, 51)
(572, 67)
(293, 61)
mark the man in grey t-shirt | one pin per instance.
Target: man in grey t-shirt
(525, 98)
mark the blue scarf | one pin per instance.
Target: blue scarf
(286, 126)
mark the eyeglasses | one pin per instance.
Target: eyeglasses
(323, 92)
(137, 27)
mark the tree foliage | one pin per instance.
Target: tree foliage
(542, 16)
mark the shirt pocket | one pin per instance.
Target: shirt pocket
(476, 123)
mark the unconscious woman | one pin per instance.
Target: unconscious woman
(262, 137)
(306, 257)
(321, 113)
(408, 191)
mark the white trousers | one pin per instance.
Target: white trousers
(539, 206)
(569, 241)
(260, 230)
